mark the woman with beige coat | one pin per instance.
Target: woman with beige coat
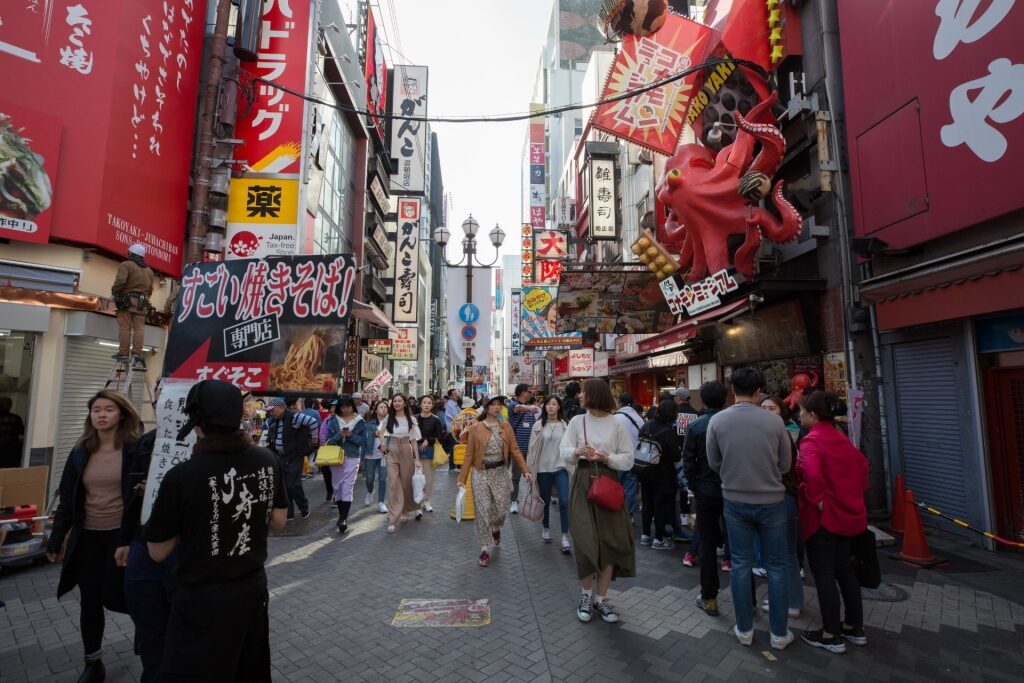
(490, 447)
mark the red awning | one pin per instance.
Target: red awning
(687, 330)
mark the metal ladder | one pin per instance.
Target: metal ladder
(122, 374)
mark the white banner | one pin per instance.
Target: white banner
(517, 312)
(378, 383)
(409, 138)
(469, 324)
(407, 262)
(167, 450)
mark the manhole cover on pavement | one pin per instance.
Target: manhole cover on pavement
(887, 592)
(421, 613)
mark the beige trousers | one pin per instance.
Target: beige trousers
(401, 467)
(128, 322)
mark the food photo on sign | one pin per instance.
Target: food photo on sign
(611, 302)
(29, 145)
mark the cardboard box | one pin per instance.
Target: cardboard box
(24, 486)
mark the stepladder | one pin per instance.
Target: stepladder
(129, 375)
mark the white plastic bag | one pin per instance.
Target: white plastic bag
(419, 482)
(460, 504)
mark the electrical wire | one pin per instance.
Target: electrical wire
(709, 64)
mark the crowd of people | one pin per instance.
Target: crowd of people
(767, 489)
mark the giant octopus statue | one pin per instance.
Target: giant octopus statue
(711, 195)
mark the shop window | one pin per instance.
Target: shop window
(32, 277)
(17, 350)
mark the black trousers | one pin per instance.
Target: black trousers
(829, 557)
(659, 502)
(709, 527)
(219, 633)
(100, 583)
(291, 471)
(328, 484)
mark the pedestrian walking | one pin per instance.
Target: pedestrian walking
(217, 509)
(603, 538)
(794, 586)
(431, 429)
(327, 409)
(290, 436)
(374, 467)
(707, 491)
(452, 407)
(550, 468)
(750, 449)
(399, 434)
(522, 415)
(571, 405)
(362, 407)
(97, 485)
(833, 476)
(490, 447)
(658, 482)
(632, 421)
(348, 430)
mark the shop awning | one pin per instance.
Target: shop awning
(665, 360)
(373, 315)
(686, 330)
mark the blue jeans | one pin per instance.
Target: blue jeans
(560, 480)
(147, 590)
(767, 522)
(375, 469)
(628, 481)
(794, 586)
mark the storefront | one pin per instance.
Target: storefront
(22, 325)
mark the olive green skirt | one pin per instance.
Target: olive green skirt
(600, 537)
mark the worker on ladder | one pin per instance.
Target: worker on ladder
(132, 288)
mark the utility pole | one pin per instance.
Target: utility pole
(199, 215)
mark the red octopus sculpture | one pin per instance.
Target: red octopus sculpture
(800, 383)
(710, 196)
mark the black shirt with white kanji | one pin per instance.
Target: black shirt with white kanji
(218, 503)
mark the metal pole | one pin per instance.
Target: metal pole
(470, 250)
(207, 146)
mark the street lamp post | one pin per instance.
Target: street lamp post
(470, 228)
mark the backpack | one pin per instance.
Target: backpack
(647, 454)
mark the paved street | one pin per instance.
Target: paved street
(333, 602)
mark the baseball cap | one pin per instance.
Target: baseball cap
(357, 395)
(276, 403)
(683, 393)
(213, 403)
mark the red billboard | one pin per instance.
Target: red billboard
(271, 128)
(29, 157)
(376, 77)
(121, 77)
(935, 115)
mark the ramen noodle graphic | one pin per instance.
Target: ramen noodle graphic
(296, 373)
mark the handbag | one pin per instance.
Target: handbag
(327, 456)
(865, 560)
(604, 491)
(533, 506)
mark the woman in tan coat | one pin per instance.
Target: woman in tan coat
(490, 446)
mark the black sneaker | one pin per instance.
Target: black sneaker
(606, 611)
(709, 606)
(817, 639)
(305, 515)
(585, 610)
(855, 636)
(342, 527)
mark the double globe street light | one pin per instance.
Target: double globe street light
(470, 227)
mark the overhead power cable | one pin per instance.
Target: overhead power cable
(709, 64)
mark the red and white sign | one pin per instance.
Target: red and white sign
(549, 272)
(696, 297)
(403, 344)
(551, 244)
(581, 363)
(33, 140)
(937, 146)
(378, 383)
(376, 76)
(122, 77)
(527, 254)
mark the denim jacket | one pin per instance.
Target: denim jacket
(356, 443)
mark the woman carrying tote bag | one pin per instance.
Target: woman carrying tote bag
(545, 461)
(604, 545)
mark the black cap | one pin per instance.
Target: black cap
(212, 403)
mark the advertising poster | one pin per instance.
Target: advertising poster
(581, 363)
(273, 325)
(409, 138)
(376, 77)
(262, 215)
(407, 262)
(167, 450)
(835, 374)
(611, 302)
(520, 370)
(29, 158)
(537, 325)
(370, 366)
(404, 345)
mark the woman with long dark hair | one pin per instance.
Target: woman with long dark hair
(373, 458)
(97, 484)
(833, 478)
(604, 546)
(346, 429)
(399, 435)
(545, 461)
(431, 428)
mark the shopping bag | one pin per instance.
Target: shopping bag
(419, 482)
(460, 504)
(533, 507)
(327, 456)
(440, 457)
(305, 464)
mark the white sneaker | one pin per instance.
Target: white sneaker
(792, 611)
(645, 539)
(780, 642)
(759, 571)
(662, 545)
(427, 507)
(744, 638)
(545, 536)
(382, 508)
(684, 520)
(369, 499)
(514, 509)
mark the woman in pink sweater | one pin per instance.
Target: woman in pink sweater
(833, 477)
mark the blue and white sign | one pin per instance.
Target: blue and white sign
(469, 313)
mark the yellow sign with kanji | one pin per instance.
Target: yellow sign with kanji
(264, 200)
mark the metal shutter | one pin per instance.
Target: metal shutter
(930, 423)
(86, 367)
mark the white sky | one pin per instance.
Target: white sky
(483, 57)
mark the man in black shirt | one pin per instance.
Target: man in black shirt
(216, 509)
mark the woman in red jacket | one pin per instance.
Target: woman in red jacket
(833, 477)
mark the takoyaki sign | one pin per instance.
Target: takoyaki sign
(274, 325)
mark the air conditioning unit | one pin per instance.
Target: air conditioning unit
(633, 154)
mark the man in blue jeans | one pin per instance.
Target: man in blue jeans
(750, 450)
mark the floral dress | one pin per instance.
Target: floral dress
(492, 489)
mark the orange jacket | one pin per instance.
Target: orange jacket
(479, 435)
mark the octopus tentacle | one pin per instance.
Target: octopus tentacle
(789, 228)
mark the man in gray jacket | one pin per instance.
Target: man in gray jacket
(750, 449)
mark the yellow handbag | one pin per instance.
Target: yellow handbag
(440, 457)
(327, 456)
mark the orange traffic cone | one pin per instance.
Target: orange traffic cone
(915, 545)
(898, 505)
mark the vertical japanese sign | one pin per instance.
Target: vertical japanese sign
(538, 166)
(602, 199)
(262, 215)
(376, 77)
(265, 325)
(549, 272)
(516, 316)
(655, 118)
(409, 138)
(351, 360)
(407, 262)
(29, 157)
(111, 73)
(404, 345)
(272, 133)
(167, 450)
(527, 254)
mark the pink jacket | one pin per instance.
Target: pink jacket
(831, 471)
